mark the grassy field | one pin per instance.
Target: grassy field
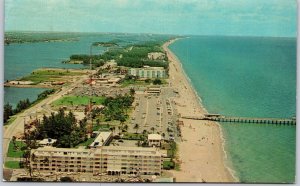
(86, 143)
(15, 153)
(12, 164)
(78, 100)
(129, 82)
(101, 127)
(43, 75)
(168, 165)
(133, 136)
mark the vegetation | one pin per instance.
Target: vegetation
(78, 100)
(43, 75)
(134, 136)
(137, 56)
(168, 165)
(8, 111)
(101, 127)
(30, 179)
(132, 80)
(97, 60)
(45, 94)
(157, 82)
(68, 135)
(105, 44)
(15, 149)
(12, 164)
(27, 37)
(133, 56)
(66, 179)
(173, 149)
(86, 143)
(116, 108)
(22, 105)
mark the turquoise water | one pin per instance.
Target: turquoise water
(248, 76)
(22, 59)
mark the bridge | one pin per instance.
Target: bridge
(220, 118)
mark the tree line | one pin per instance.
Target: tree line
(22, 105)
(135, 56)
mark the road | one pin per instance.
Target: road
(17, 126)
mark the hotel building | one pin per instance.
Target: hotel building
(148, 72)
(112, 160)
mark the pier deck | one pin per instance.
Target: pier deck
(220, 118)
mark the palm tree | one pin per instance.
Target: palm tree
(14, 142)
(136, 126)
(125, 127)
(119, 128)
(132, 91)
(122, 120)
(112, 129)
(152, 128)
(97, 121)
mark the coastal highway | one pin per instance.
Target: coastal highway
(17, 126)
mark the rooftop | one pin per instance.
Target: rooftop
(47, 141)
(72, 152)
(154, 137)
(101, 139)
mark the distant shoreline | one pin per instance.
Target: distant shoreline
(225, 173)
(13, 41)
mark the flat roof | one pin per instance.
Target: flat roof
(112, 150)
(101, 139)
(47, 141)
(154, 137)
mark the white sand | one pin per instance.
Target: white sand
(201, 151)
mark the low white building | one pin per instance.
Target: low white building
(148, 72)
(102, 139)
(156, 56)
(46, 142)
(154, 140)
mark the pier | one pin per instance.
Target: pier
(220, 118)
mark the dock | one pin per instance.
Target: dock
(221, 118)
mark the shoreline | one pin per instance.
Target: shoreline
(226, 174)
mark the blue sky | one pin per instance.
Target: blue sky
(198, 17)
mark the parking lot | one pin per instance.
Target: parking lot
(155, 113)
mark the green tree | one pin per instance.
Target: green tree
(14, 142)
(152, 128)
(136, 127)
(132, 91)
(8, 111)
(157, 82)
(125, 128)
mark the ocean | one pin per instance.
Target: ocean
(250, 77)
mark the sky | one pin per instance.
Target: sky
(277, 18)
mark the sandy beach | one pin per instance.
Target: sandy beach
(201, 151)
